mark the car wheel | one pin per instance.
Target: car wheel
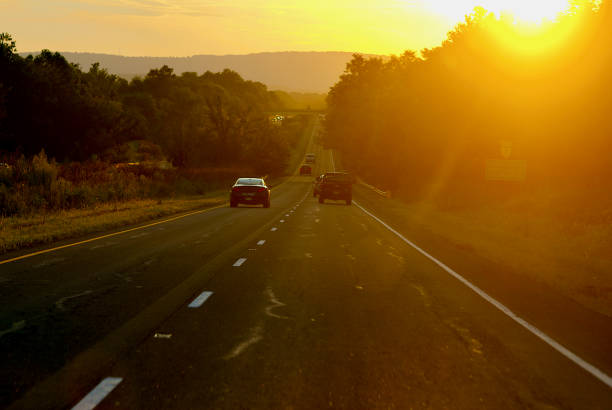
(266, 204)
(321, 199)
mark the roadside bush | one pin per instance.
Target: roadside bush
(11, 202)
(6, 176)
(30, 186)
(41, 172)
(78, 197)
(159, 189)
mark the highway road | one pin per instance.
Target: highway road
(303, 305)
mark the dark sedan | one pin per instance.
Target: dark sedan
(251, 191)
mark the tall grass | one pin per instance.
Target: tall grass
(29, 186)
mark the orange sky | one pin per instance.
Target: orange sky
(187, 27)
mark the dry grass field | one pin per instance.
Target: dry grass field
(544, 237)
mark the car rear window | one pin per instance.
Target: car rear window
(249, 181)
(338, 178)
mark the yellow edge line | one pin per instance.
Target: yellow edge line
(109, 235)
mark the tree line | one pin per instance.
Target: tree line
(71, 138)
(422, 122)
(211, 119)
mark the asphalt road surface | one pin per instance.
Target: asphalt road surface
(300, 306)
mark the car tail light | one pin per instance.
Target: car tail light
(235, 189)
(261, 189)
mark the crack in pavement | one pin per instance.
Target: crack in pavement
(60, 303)
(254, 337)
(103, 245)
(424, 296)
(275, 304)
(16, 326)
(48, 262)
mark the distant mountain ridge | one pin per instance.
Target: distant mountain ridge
(290, 71)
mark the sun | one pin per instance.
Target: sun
(527, 11)
(532, 11)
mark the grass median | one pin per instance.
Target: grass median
(19, 232)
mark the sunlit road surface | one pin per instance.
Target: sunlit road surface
(303, 305)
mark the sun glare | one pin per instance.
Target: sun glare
(528, 11)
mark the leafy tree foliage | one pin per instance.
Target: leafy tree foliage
(417, 123)
(211, 119)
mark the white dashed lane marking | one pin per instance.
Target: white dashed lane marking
(261, 242)
(98, 393)
(239, 262)
(282, 221)
(274, 229)
(199, 301)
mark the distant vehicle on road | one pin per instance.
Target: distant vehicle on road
(251, 191)
(305, 170)
(335, 186)
(310, 158)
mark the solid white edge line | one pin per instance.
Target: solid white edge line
(600, 375)
(98, 394)
(199, 301)
(239, 262)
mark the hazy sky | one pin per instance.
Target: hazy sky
(187, 27)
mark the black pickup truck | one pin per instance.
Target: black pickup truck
(335, 185)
